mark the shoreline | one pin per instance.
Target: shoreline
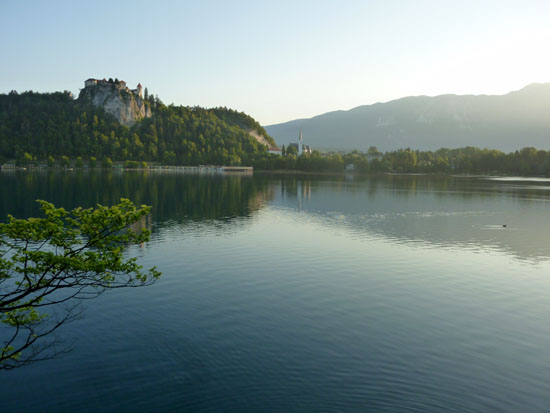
(210, 170)
(355, 174)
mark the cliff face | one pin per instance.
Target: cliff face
(259, 138)
(116, 99)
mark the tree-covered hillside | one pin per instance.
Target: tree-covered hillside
(244, 121)
(55, 124)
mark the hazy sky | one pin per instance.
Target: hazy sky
(277, 60)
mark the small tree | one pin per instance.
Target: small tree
(374, 152)
(169, 158)
(107, 163)
(51, 161)
(65, 161)
(131, 164)
(143, 165)
(79, 162)
(54, 263)
(26, 159)
(291, 150)
(93, 162)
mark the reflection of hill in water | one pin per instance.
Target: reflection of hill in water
(219, 202)
(439, 211)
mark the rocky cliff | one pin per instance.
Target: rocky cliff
(125, 105)
(261, 139)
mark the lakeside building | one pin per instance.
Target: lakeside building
(300, 145)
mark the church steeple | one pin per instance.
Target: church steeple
(300, 144)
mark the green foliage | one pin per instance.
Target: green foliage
(242, 120)
(51, 161)
(131, 164)
(527, 161)
(56, 261)
(79, 163)
(24, 159)
(27, 158)
(55, 124)
(65, 161)
(291, 150)
(107, 163)
(35, 126)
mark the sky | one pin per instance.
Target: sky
(277, 60)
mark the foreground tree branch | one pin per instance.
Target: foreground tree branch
(48, 265)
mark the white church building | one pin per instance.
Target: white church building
(300, 145)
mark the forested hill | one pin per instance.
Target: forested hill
(55, 124)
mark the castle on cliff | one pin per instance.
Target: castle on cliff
(118, 83)
(125, 104)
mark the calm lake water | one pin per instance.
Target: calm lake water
(301, 293)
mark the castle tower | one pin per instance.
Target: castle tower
(300, 144)
(90, 82)
(139, 87)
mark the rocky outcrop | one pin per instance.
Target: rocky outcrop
(125, 105)
(259, 138)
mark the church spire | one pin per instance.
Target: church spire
(300, 144)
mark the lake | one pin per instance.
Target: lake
(295, 292)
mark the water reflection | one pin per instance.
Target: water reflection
(327, 291)
(443, 211)
(176, 198)
(449, 212)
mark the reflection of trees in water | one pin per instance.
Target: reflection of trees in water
(294, 187)
(439, 210)
(450, 212)
(303, 186)
(464, 187)
(174, 197)
(402, 186)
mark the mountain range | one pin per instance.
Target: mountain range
(506, 122)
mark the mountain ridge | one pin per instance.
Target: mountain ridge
(507, 122)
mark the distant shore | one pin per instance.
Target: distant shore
(248, 170)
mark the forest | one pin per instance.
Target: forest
(35, 127)
(468, 160)
(54, 128)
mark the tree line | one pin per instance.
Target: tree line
(35, 127)
(468, 160)
(53, 128)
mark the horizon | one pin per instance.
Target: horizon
(415, 96)
(279, 63)
(75, 94)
